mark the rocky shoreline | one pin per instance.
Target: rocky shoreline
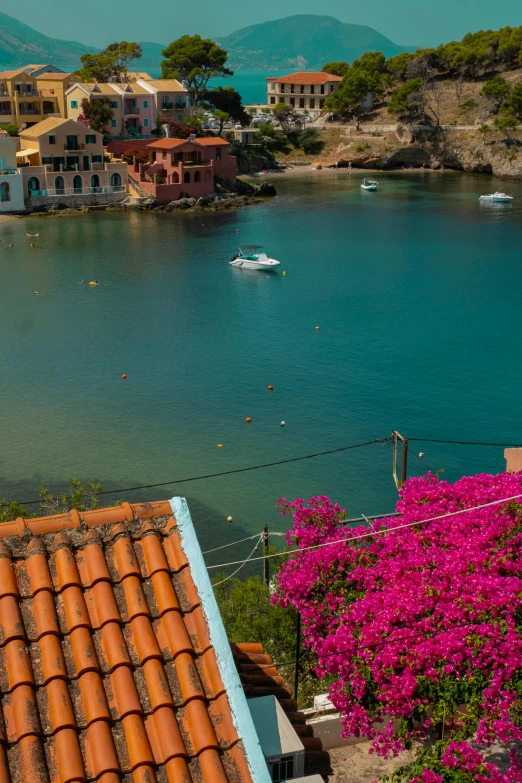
(228, 195)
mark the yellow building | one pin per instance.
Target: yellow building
(32, 94)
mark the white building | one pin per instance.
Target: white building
(11, 181)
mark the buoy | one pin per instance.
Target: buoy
(94, 282)
(284, 274)
(229, 520)
(316, 328)
(248, 419)
(283, 423)
(220, 445)
(270, 388)
(237, 231)
(124, 377)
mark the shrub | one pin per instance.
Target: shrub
(415, 622)
(10, 128)
(140, 153)
(310, 141)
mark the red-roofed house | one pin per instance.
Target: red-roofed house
(306, 91)
(185, 166)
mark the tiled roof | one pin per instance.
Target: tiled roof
(107, 671)
(42, 127)
(166, 85)
(56, 77)
(306, 78)
(17, 72)
(204, 141)
(259, 677)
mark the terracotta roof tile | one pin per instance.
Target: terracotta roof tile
(107, 671)
(305, 77)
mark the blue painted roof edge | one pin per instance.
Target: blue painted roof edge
(236, 697)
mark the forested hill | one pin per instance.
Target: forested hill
(303, 42)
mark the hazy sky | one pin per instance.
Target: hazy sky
(407, 22)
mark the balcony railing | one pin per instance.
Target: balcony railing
(26, 93)
(4, 172)
(169, 106)
(74, 147)
(24, 111)
(49, 193)
(130, 110)
(7, 112)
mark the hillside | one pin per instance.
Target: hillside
(303, 42)
(20, 44)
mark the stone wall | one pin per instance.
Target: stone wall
(74, 202)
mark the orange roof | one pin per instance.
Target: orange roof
(304, 77)
(107, 669)
(204, 141)
(259, 677)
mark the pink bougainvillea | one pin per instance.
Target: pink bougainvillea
(420, 626)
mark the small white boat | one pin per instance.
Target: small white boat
(248, 257)
(369, 184)
(498, 197)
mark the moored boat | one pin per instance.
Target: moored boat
(248, 257)
(497, 197)
(369, 184)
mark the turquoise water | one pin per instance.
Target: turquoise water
(251, 85)
(418, 294)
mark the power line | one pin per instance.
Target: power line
(372, 533)
(230, 472)
(241, 540)
(469, 443)
(259, 539)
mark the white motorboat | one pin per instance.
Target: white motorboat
(249, 257)
(498, 197)
(369, 184)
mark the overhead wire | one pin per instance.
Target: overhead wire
(372, 533)
(260, 538)
(468, 443)
(230, 472)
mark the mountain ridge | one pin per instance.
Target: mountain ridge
(301, 41)
(304, 42)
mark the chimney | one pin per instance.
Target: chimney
(513, 459)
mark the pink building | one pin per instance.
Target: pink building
(185, 166)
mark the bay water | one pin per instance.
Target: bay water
(417, 292)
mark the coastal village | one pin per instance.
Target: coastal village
(353, 647)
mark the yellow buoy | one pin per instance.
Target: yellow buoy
(220, 445)
(94, 282)
(229, 520)
(284, 274)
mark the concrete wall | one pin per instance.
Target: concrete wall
(87, 200)
(513, 460)
(11, 193)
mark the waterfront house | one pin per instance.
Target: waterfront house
(304, 91)
(63, 158)
(184, 167)
(11, 182)
(31, 94)
(115, 661)
(135, 105)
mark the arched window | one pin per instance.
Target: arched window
(5, 195)
(33, 185)
(197, 176)
(175, 178)
(59, 186)
(186, 176)
(77, 184)
(116, 180)
(95, 182)
(208, 176)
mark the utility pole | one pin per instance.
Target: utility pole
(297, 656)
(396, 437)
(266, 571)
